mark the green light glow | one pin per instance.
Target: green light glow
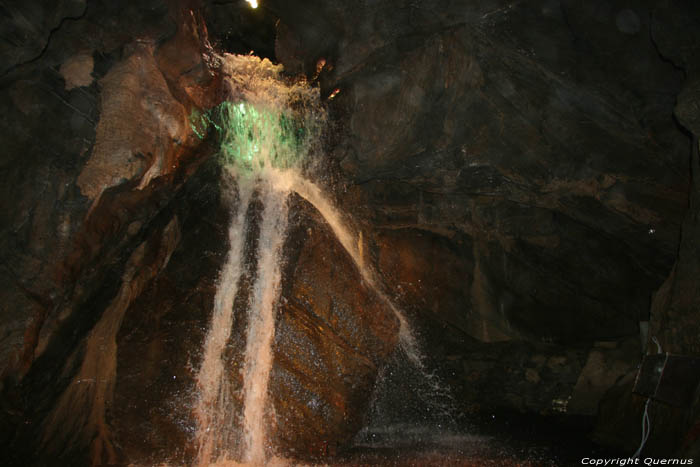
(251, 138)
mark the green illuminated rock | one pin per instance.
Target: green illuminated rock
(251, 138)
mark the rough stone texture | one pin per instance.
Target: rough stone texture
(77, 71)
(555, 164)
(27, 28)
(519, 170)
(675, 320)
(675, 307)
(409, 256)
(160, 341)
(100, 331)
(606, 364)
(77, 424)
(67, 276)
(515, 169)
(52, 237)
(516, 376)
(141, 126)
(333, 334)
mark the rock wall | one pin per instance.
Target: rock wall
(332, 336)
(521, 169)
(517, 133)
(97, 147)
(675, 317)
(114, 226)
(88, 123)
(517, 170)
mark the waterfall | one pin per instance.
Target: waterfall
(261, 323)
(216, 426)
(213, 406)
(348, 239)
(266, 127)
(268, 131)
(407, 339)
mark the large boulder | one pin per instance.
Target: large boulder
(333, 334)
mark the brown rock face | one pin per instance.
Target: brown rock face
(78, 419)
(556, 168)
(519, 170)
(141, 126)
(111, 268)
(333, 334)
(548, 164)
(82, 117)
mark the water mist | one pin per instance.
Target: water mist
(269, 131)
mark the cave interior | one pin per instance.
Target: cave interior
(487, 254)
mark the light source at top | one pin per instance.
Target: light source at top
(253, 3)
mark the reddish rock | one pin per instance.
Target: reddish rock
(333, 333)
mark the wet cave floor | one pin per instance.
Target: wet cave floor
(494, 439)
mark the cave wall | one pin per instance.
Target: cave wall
(517, 170)
(674, 316)
(114, 221)
(97, 150)
(522, 172)
(89, 120)
(536, 139)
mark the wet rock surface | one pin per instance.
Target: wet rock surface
(160, 340)
(517, 184)
(96, 154)
(560, 166)
(332, 336)
(56, 241)
(519, 171)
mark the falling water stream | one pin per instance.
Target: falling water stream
(269, 131)
(261, 326)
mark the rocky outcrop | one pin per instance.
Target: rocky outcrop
(96, 148)
(140, 128)
(330, 339)
(29, 28)
(607, 363)
(162, 335)
(77, 124)
(674, 317)
(540, 155)
(519, 171)
(674, 320)
(111, 268)
(78, 421)
(333, 334)
(515, 167)
(517, 376)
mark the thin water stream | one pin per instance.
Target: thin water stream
(213, 406)
(269, 132)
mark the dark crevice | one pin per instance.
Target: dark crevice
(48, 41)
